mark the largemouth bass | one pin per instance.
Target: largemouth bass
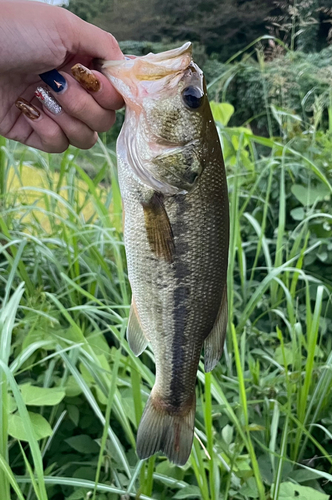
(176, 231)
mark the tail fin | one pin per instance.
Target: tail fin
(161, 431)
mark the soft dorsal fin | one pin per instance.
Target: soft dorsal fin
(214, 343)
(158, 228)
(136, 338)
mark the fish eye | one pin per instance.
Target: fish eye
(192, 97)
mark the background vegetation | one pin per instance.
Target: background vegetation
(72, 393)
(221, 27)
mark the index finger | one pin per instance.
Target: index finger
(89, 40)
(98, 86)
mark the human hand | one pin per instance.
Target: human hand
(36, 38)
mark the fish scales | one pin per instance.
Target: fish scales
(178, 281)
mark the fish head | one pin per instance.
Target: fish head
(167, 114)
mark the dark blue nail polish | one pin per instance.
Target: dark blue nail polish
(54, 80)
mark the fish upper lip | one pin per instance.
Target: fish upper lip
(162, 61)
(155, 58)
(171, 54)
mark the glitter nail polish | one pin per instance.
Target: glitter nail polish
(29, 110)
(54, 80)
(85, 77)
(47, 100)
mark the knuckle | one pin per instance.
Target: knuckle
(15, 137)
(54, 148)
(54, 140)
(84, 141)
(90, 142)
(51, 134)
(106, 123)
(79, 107)
(62, 148)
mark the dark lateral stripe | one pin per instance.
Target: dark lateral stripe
(178, 346)
(180, 307)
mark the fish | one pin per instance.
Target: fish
(176, 233)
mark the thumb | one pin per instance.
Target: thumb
(91, 41)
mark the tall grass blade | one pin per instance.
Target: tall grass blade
(244, 407)
(34, 448)
(93, 403)
(11, 479)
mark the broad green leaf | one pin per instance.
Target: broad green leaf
(41, 427)
(288, 355)
(83, 444)
(88, 378)
(188, 492)
(101, 396)
(84, 473)
(166, 468)
(71, 334)
(289, 491)
(99, 344)
(12, 406)
(298, 213)
(227, 434)
(79, 494)
(35, 335)
(41, 396)
(128, 406)
(303, 475)
(222, 111)
(74, 414)
(310, 195)
(72, 388)
(250, 488)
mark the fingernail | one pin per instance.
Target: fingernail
(47, 100)
(29, 110)
(53, 78)
(85, 77)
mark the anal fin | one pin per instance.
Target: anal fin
(214, 343)
(135, 335)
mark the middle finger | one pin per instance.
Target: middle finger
(77, 102)
(77, 132)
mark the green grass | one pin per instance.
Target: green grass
(264, 415)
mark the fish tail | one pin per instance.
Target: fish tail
(160, 430)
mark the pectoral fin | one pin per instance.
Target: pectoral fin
(214, 343)
(136, 338)
(158, 228)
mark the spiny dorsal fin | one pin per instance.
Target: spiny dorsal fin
(136, 338)
(158, 228)
(214, 343)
